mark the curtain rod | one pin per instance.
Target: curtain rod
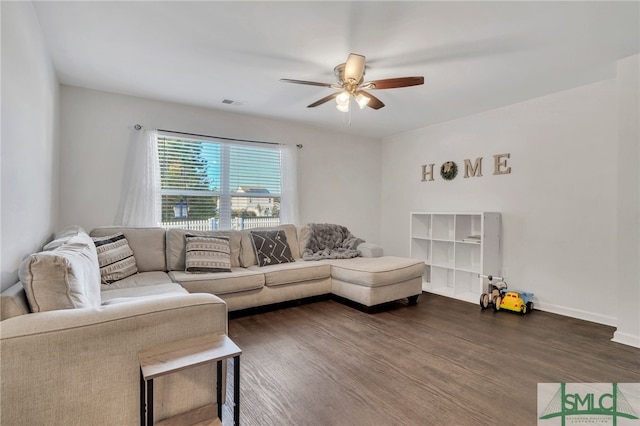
(139, 127)
(217, 137)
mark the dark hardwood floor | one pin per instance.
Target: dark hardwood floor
(440, 362)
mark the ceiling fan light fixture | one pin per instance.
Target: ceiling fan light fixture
(343, 108)
(362, 100)
(354, 68)
(343, 99)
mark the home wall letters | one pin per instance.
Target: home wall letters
(500, 167)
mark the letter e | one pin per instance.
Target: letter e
(500, 163)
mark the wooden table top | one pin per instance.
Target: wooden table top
(175, 356)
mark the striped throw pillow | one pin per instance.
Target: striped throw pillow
(207, 253)
(115, 258)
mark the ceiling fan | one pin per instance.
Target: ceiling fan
(350, 76)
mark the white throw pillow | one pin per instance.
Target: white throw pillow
(207, 254)
(65, 278)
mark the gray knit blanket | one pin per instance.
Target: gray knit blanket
(328, 241)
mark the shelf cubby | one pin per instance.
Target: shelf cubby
(442, 253)
(421, 226)
(422, 248)
(442, 227)
(442, 279)
(468, 257)
(468, 225)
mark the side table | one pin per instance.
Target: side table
(176, 356)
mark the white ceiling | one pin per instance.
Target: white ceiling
(474, 55)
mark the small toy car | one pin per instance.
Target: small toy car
(500, 298)
(518, 301)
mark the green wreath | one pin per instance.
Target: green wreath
(449, 170)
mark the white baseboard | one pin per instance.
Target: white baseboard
(626, 339)
(618, 337)
(577, 313)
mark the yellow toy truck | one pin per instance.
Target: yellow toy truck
(500, 298)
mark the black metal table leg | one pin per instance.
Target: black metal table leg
(236, 390)
(150, 402)
(219, 388)
(142, 400)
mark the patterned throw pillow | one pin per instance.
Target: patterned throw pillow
(115, 258)
(207, 254)
(271, 247)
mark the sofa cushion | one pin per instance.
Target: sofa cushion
(238, 280)
(207, 253)
(289, 273)
(375, 272)
(115, 258)
(248, 255)
(271, 247)
(147, 244)
(140, 279)
(13, 302)
(176, 245)
(65, 278)
(119, 295)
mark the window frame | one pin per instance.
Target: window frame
(224, 194)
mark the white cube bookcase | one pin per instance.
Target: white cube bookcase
(456, 248)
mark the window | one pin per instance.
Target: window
(212, 184)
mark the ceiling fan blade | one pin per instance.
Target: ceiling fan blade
(393, 83)
(323, 100)
(354, 68)
(374, 102)
(309, 83)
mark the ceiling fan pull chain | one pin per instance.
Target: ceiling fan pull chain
(347, 115)
(350, 112)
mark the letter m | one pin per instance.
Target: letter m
(475, 170)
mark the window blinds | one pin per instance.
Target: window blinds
(190, 166)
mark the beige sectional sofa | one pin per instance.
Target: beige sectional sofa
(69, 354)
(365, 280)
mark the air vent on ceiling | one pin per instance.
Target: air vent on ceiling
(232, 102)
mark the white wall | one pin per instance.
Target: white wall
(30, 139)
(628, 176)
(337, 179)
(558, 205)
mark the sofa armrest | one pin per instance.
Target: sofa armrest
(66, 366)
(370, 250)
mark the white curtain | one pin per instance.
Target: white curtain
(289, 184)
(140, 199)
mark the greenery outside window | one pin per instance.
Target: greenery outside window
(214, 184)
